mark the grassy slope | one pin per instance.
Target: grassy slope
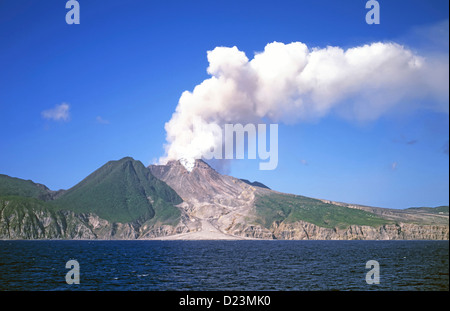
(10, 186)
(290, 208)
(15, 209)
(432, 210)
(122, 191)
(21, 204)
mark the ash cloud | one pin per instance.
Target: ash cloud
(289, 83)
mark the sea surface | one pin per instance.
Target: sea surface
(224, 265)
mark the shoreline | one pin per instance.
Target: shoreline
(180, 237)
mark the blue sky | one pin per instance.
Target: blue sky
(123, 68)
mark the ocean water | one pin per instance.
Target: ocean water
(225, 265)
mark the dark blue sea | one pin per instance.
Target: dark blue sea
(225, 265)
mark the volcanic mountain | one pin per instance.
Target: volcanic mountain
(190, 200)
(121, 191)
(120, 200)
(235, 207)
(220, 202)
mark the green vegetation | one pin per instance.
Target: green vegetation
(22, 207)
(165, 213)
(10, 186)
(432, 210)
(291, 208)
(8, 204)
(122, 191)
(30, 218)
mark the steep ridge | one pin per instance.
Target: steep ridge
(121, 191)
(255, 183)
(202, 184)
(209, 197)
(11, 186)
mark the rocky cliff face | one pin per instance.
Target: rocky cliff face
(209, 197)
(46, 224)
(302, 230)
(201, 183)
(68, 225)
(401, 231)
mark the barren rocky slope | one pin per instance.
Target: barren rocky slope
(237, 209)
(223, 201)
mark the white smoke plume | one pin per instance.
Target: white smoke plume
(289, 83)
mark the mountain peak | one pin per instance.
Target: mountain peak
(121, 191)
(200, 182)
(188, 164)
(126, 159)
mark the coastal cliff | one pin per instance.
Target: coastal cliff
(42, 223)
(400, 231)
(45, 224)
(124, 200)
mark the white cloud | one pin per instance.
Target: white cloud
(100, 120)
(58, 113)
(292, 82)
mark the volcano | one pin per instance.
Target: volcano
(212, 200)
(190, 200)
(227, 207)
